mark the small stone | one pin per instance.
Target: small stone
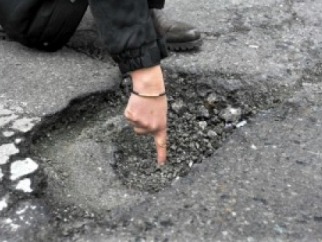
(174, 76)
(24, 125)
(224, 233)
(230, 114)
(3, 204)
(241, 124)
(8, 133)
(65, 232)
(5, 120)
(202, 125)
(169, 176)
(66, 175)
(6, 151)
(203, 112)
(22, 167)
(178, 106)
(212, 134)
(1, 174)
(219, 129)
(24, 185)
(18, 140)
(228, 127)
(253, 147)
(212, 99)
(278, 229)
(215, 120)
(253, 46)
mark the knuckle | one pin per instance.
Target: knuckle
(130, 116)
(127, 114)
(154, 127)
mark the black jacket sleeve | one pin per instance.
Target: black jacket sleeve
(127, 30)
(156, 3)
(41, 24)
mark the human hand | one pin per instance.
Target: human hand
(148, 115)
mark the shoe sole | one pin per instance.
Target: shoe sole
(185, 45)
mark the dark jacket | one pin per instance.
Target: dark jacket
(128, 32)
(125, 27)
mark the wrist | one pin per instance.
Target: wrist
(148, 80)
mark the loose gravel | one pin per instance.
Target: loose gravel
(198, 123)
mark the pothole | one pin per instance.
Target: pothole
(92, 157)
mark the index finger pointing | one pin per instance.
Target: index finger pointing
(160, 139)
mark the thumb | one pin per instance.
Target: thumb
(160, 139)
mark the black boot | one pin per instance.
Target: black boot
(178, 35)
(3, 35)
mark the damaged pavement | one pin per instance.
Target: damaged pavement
(244, 126)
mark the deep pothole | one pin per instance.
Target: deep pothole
(88, 148)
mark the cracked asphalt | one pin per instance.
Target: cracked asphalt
(262, 184)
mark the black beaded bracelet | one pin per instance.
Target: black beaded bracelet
(144, 95)
(127, 85)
